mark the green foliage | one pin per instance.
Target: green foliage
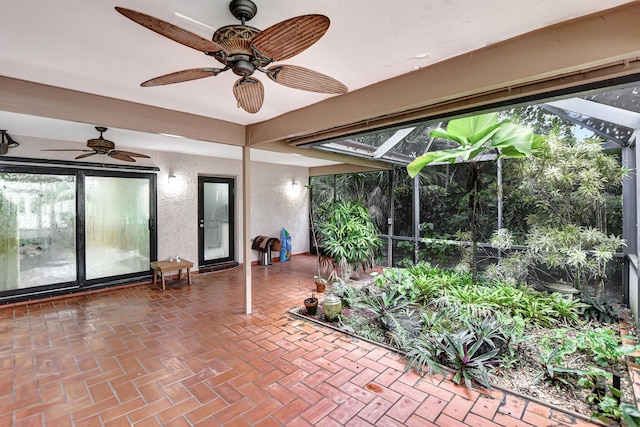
(348, 294)
(568, 307)
(383, 303)
(475, 135)
(348, 235)
(568, 183)
(361, 326)
(630, 414)
(604, 346)
(598, 310)
(608, 409)
(552, 371)
(471, 328)
(399, 281)
(568, 192)
(582, 252)
(421, 357)
(461, 352)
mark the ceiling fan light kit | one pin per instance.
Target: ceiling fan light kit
(245, 50)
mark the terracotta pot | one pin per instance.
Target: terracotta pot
(311, 305)
(320, 286)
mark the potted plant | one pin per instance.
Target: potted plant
(327, 266)
(311, 304)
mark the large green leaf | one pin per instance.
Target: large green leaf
(442, 133)
(476, 135)
(514, 140)
(473, 128)
(440, 156)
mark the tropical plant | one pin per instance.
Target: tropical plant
(604, 346)
(554, 373)
(348, 294)
(400, 281)
(461, 352)
(362, 326)
(599, 310)
(630, 414)
(571, 190)
(383, 303)
(476, 135)
(421, 357)
(349, 236)
(489, 332)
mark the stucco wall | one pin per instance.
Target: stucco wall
(275, 202)
(279, 200)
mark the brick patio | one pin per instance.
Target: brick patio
(188, 356)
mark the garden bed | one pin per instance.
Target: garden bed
(514, 381)
(524, 372)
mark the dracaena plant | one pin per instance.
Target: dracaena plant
(349, 235)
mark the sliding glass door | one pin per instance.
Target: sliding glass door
(37, 230)
(62, 229)
(117, 226)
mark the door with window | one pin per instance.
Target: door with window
(215, 220)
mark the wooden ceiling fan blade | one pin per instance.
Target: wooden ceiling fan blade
(288, 38)
(249, 93)
(82, 156)
(120, 156)
(305, 79)
(66, 149)
(181, 76)
(131, 154)
(171, 31)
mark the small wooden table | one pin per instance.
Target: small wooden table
(164, 266)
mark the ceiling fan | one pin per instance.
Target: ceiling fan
(104, 146)
(244, 49)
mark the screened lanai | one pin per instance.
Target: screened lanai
(410, 215)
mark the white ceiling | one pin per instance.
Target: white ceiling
(87, 46)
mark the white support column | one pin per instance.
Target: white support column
(246, 225)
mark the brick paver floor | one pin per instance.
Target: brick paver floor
(189, 356)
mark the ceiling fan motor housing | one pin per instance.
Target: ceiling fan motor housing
(243, 66)
(236, 39)
(243, 10)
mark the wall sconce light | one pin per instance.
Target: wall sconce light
(294, 184)
(6, 142)
(172, 177)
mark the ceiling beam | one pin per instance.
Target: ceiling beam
(23, 97)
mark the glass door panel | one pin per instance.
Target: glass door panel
(216, 220)
(37, 230)
(117, 235)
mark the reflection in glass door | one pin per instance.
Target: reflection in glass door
(37, 230)
(215, 217)
(117, 235)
